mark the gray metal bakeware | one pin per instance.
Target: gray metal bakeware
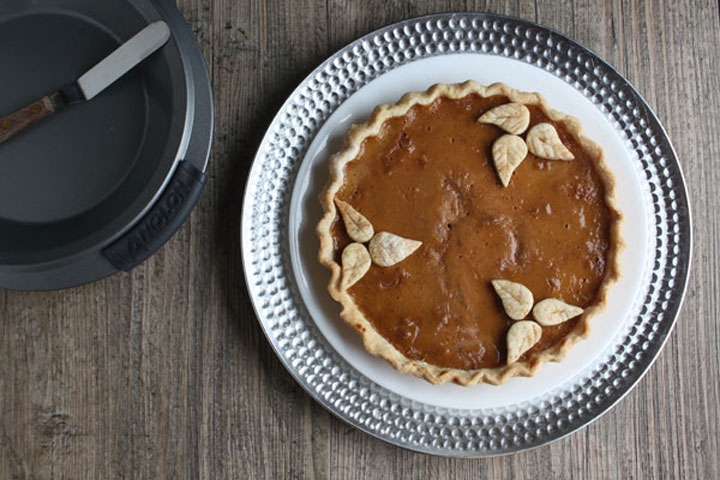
(97, 187)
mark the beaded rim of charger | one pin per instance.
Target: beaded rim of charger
(353, 397)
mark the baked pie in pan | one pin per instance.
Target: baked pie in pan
(472, 233)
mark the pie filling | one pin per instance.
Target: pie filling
(429, 176)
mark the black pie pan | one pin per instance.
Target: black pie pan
(98, 187)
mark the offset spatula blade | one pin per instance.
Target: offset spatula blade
(122, 60)
(92, 82)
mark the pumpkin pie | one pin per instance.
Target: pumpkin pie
(471, 232)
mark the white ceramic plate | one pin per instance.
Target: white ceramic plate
(305, 212)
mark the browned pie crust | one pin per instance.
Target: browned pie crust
(375, 343)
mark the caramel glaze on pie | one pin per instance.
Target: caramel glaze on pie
(428, 175)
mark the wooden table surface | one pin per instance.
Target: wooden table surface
(165, 373)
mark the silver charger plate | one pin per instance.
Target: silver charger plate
(322, 363)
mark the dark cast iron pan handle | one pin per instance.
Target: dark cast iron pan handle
(161, 222)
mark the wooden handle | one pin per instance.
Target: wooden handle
(16, 121)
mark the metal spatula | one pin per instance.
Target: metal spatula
(92, 82)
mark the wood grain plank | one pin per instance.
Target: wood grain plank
(165, 372)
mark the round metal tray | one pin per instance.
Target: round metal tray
(337, 384)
